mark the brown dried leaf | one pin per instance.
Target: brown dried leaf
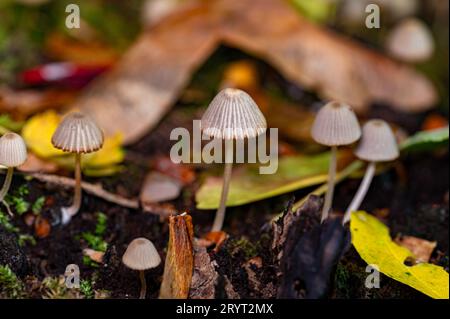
(181, 172)
(23, 103)
(36, 164)
(179, 263)
(421, 248)
(134, 96)
(95, 255)
(140, 90)
(319, 59)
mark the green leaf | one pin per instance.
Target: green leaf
(247, 185)
(372, 241)
(426, 140)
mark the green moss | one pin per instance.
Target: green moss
(11, 287)
(243, 244)
(86, 289)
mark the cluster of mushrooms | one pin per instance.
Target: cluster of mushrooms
(231, 116)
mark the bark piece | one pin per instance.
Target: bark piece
(179, 263)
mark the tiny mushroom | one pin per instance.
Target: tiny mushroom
(378, 144)
(13, 153)
(410, 41)
(77, 134)
(141, 255)
(231, 115)
(335, 124)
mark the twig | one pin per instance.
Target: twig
(93, 189)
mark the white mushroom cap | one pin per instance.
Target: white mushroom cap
(78, 133)
(335, 124)
(377, 143)
(410, 41)
(141, 254)
(13, 151)
(233, 114)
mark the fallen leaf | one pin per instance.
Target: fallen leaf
(64, 48)
(247, 185)
(434, 121)
(158, 187)
(136, 94)
(36, 164)
(426, 140)
(94, 255)
(110, 154)
(371, 239)
(23, 103)
(215, 238)
(37, 133)
(179, 263)
(181, 172)
(142, 87)
(421, 248)
(41, 227)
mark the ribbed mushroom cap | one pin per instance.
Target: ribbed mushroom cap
(141, 254)
(411, 41)
(335, 124)
(377, 143)
(233, 114)
(13, 151)
(77, 133)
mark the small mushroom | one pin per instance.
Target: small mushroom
(335, 124)
(231, 115)
(77, 134)
(13, 153)
(141, 255)
(410, 41)
(378, 144)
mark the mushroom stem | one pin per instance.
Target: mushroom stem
(330, 184)
(220, 214)
(361, 193)
(70, 211)
(143, 284)
(6, 183)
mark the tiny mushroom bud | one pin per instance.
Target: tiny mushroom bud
(410, 41)
(377, 144)
(13, 153)
(141, 255)
(77, 134)
(231, 115)
(335, 124)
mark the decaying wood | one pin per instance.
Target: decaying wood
(205, 277)
(310, 251)
(179, 263)
(138, 92)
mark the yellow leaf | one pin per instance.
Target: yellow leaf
(372, 241)
(111, 153)
(37, 133)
